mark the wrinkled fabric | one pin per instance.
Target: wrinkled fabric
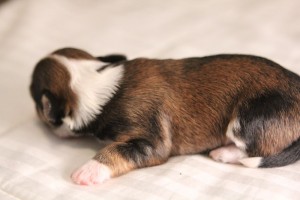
(36, 165)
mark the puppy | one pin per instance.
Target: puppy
(240, 108)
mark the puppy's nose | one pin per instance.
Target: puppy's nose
(56, 122)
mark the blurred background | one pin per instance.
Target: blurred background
(35, 164)
(30, 29)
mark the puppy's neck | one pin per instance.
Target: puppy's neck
(93, 89)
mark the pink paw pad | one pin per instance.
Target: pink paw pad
(227, 154)
(91, 173)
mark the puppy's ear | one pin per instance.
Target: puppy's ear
(53, 109)
(46, 105)
(114, 58)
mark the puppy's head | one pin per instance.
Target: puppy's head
(64, 82)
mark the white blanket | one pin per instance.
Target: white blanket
(35, 165)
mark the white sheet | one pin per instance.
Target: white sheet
(36, 165)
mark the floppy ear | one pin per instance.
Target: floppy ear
(47, 106)
(114, 58)
(53, 109)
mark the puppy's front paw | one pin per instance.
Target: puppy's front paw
(91, 173)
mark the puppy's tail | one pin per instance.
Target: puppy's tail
(288, 156)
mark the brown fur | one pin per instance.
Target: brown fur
(213, 91)
(198, 119)
(74, 54)
(52, 76)
(173, 107)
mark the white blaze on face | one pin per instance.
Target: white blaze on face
(93, 89)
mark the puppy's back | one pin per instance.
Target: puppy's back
(202, 94)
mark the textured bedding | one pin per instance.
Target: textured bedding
(36, 165)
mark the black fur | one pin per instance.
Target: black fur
(136, 150)
(258, 114)
(114, 58)
(287, 156)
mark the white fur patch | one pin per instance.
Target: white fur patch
(93, 89)
(234, 124)
(91, 173)
(228, 154)
(64, 131)
(164, 149)
(252, 162)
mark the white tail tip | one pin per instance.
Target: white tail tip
(252, 162)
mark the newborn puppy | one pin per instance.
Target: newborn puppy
(243, 109)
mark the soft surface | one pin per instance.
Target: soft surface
(36, 165)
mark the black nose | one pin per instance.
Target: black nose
(56, 122)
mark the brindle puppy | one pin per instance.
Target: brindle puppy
(243, 109)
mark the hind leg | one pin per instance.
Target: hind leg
(228, 154)
(233, 152)
(264, 127)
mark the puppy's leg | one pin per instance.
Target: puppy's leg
(121, 157)
(148, 143)
(93, 172)
(228, 154)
